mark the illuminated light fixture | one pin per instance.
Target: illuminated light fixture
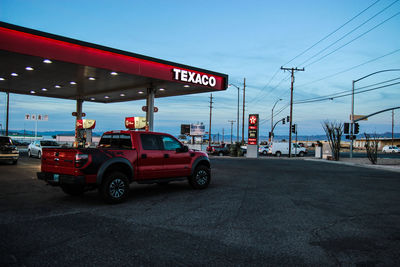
(2, 79)
(107, 96)
(161, 89)
(72, 83)
(29, 68)
(44, 89)
(140, 92)
(121, 94)
(57, 86)
(92, 78)
(92, 98)
(14, 74)
(32, 92)
(114, 73)
(47, 61)
(186, 86)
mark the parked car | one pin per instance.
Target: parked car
(263, 149)
(8, 151)
(391, 149)
(279, 149)
(35, 148)
(121, 158)
(221, 150)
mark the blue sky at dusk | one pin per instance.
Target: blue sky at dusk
(244, 39)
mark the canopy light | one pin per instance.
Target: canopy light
(114, 73)
(47, 61)
(140, 92)
(92, 78)
(162, 89)
(32, 92)
(57, 86)
(29, 68)
(14, 74)
(44, 89)
(2, 79)
(186, 86)
(121, 94)
(92, 98)
(72, 83)
(107, 96)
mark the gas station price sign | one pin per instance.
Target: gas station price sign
(253, 129)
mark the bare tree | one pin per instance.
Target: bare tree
(371, 145)
(334, 131)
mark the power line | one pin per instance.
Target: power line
(347, 34)
(361, 35)
(330, 34)
(347, 94)
(349, 69)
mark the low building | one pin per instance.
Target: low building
(382, 141)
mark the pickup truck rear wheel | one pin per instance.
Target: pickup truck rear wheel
(200, 178)
(115, 188)
(73, 190)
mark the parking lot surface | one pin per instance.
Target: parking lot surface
(256, 212)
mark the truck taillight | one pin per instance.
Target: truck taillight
(81, 160)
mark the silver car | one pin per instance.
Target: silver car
(35, 148)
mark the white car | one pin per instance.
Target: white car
(391, 149)
(279, 149)
(263, 150)
(35, 148)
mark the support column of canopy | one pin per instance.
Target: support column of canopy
(150, 108)
(78, 116)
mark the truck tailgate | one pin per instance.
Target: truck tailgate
(59, 160)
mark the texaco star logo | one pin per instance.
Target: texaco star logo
(253, 119)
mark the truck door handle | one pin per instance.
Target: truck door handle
(144, 156)
(166, 156)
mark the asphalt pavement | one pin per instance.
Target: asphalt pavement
(268, 211)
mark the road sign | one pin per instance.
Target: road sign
(356, 117)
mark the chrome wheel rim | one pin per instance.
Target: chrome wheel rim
(201, 177)
(117, 188)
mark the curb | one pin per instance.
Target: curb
(395, 168)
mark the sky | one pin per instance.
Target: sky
(335, 41)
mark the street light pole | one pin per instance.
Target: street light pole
(237, 133)
(352, 105)
(272, 118)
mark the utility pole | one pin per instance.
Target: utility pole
(292, 70)
(231, 128)
(244, 101)
(8, 111)
(237, 126)
(209, 129)
(223, 135)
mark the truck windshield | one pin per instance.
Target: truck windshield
(116, 141)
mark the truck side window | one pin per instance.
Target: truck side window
(150, 142)
(125, 141)
(170, 143)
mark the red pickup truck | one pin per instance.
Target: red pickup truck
(123, 157)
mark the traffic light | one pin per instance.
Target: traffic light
(356, 128)
(283, 121)
(346, 127)
(294, 128)
(288, 119)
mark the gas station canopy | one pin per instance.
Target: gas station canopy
(43, 64)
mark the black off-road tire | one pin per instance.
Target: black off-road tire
(73, 190)
(201, 177)
(114, 188)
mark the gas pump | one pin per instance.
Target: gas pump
(136, 123)
(85, 128)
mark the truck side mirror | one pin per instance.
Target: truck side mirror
(182, 149)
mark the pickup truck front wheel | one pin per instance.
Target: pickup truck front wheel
(200, 178)
(115, 188)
